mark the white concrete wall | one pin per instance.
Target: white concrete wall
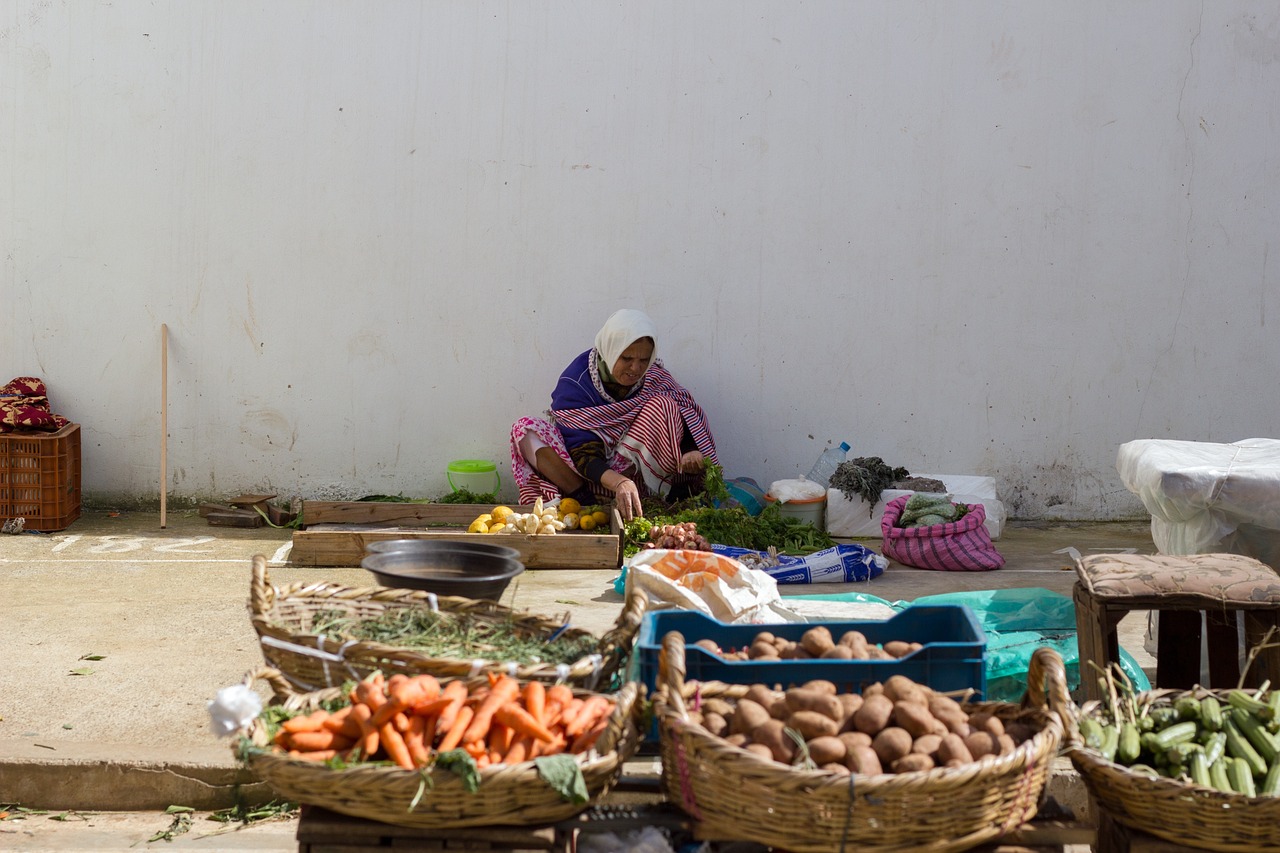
(983, 237)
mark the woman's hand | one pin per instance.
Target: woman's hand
(692, 462)
(626, 497)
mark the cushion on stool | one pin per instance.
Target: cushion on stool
(1194, 581)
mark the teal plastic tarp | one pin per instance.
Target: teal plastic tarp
(1017, 622)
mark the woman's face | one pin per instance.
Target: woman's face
(634, 361)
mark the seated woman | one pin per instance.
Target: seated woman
(620, 427)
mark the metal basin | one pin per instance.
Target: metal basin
(445, 570)
(426, 546)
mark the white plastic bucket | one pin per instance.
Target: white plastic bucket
(812, 510)
(478, 476)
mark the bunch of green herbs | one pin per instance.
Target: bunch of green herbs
(866, 477)
(461, 636)
(735, 527)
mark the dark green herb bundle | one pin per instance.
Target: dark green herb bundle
(455, 636)
(867, 477)
(733, 526)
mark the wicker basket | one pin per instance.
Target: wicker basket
(735, 795)
(283, 618)
(1176, 811)
(508, 795)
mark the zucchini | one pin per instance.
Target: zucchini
(1238, 746)
(1251, 727)
(1218, 775)
(1174, 734)
(1270, 786)
(1091, 732)
(1187, 707)
(1215, 746)
(1162, 717)
(1198, 769)
(1129, 746)
(1211, 714)
(1241, 777)
(1243, 700)
(1110, 740)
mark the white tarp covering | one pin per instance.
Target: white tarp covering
(1207, 498)
(855, 520)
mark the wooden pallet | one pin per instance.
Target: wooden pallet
(323, 831)
(336, 532)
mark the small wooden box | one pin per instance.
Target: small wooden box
(335, 534)
(40, 478)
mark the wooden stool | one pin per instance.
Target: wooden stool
(1180, 588)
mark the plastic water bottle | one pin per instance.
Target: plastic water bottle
(827, 463)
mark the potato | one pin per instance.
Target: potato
(940, 705)
(822, 686)
(863, 761)
(927, 744)
(838, 652)
(877, 653)
(874, 714)
(762, 650)
(913, 762)
(812, 724)
(952, 749)
(766, 637)
(916, 719)
(817, 640)
(827, 750)
(852, 740)
(872, 689)
(738, 739)
(838, 769)
(761, 750)
(780, 744)
(981, 744)
(849, 703)
(899, 688)
(761, 694)
(807, 699)
(985, 721)
(716, 705)
(891, 744)
(1006, 744)
(709, 645)
(715, 723)
(853, 639)
(748, 717)
(898, 648)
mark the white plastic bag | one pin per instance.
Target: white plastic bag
(796, 490)
(709, 583)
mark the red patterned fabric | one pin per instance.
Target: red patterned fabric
(957, 546)
(24, 407)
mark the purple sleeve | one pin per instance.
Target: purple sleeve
(575, 391)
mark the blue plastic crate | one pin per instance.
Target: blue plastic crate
(953, 656)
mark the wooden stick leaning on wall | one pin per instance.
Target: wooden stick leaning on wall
(164, 423)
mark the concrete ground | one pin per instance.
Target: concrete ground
(117, 633)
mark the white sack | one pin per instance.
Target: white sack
(709, 583)
(853, 519)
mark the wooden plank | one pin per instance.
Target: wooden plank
(386, 512)
(323, 831)
(344, 546)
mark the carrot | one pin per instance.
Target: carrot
(415, 740)
(419, 688)
(453, 735)
(587, 739)
(586, 716)
(571, 710)
(521, 721)
(500, 737)
(369, 692)
(561, 693)
(401, 721)
(306, 722)
(457, 693)
(503, 689)
(312, 741)
(535, 700)
(315, 755)
(368, 732)
(520, 750)
(394, 745)
(343, 722)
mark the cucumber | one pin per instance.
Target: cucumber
(1238, 746)
(1270, 786)
(1251, 727)
(1091, 732)
(1198, 769)
(1187, 707)
(1218, 775)
(1110, 741)
(1215, 746)
(1174, 734)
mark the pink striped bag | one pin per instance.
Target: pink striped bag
(956, 546)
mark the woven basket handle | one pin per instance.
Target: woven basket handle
(619, 639)
(671, 672)
(261, 595)
(1047, 685)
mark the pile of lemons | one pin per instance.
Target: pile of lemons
(567, 515)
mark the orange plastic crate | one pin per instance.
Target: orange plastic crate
(40, 478)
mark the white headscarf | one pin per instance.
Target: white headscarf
(621, 330)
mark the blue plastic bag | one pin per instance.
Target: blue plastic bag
(841, 564)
